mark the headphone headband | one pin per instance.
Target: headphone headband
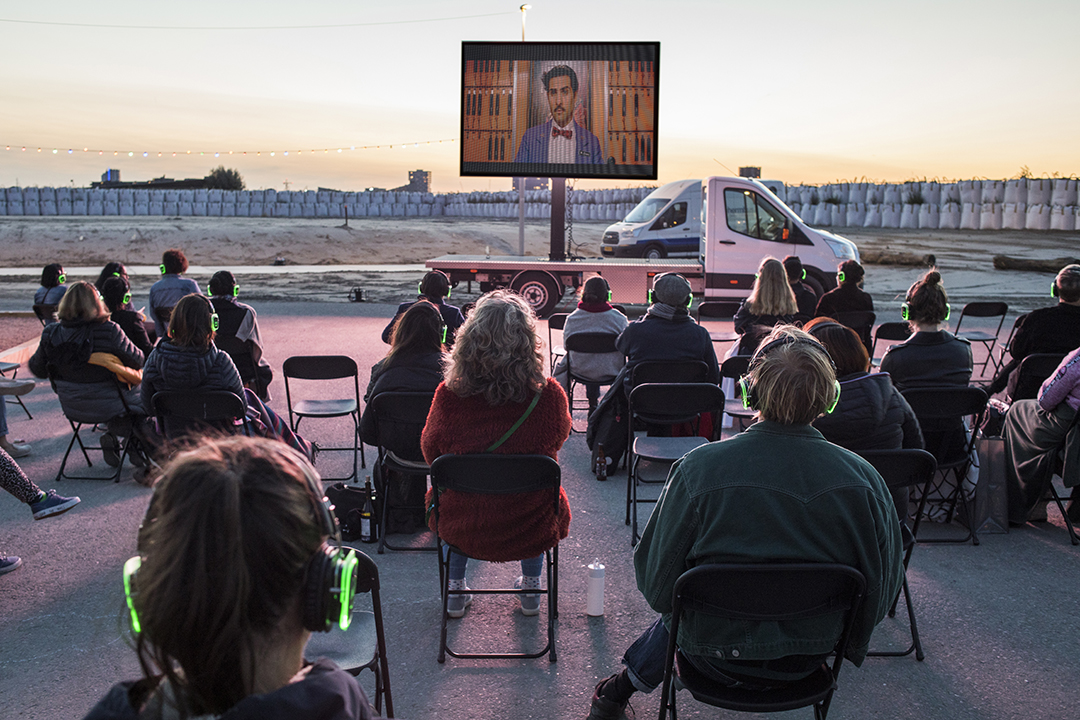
(746, 386)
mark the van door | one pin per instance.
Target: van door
(673, 229)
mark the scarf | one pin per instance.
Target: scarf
(668, 312)
(598, 307)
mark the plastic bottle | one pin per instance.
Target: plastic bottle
(601, 463)
(594, 595)
(367, 516)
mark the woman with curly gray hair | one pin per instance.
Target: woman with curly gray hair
(495, 378)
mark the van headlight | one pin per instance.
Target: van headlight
(842, 249)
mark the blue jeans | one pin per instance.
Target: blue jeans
(3, 416)
(531, 567)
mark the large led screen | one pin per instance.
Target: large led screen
(577, 110)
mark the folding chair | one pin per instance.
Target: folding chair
(587, 343)
(1031, 373)
(190, 413)
(363, 645)
(399, 422)
(326, 367)
(13, 368)
(556, 321)
(983, 310)
(861, 321)
(1058, 468)
(663, 371)
(888, 331)
(46, 314)
(772, 593)
(244, 358)
(1006, 347)
(493, 474)
(734, 368)
(903, 469)
(665, 404)
(719, 310)
(77, 420)
(941, 412)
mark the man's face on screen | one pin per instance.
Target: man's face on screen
(561, 99)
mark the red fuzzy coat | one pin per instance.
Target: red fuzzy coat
(518, 526)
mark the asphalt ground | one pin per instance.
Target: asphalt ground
(998, 622)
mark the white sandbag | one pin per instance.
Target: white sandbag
(1063, 217)
(892, 194)
(46, 194)
(213, 209)
(1014, 215)
(909, 216)
(93, 207)
(969, 213)
(929, 216)
(142, 208)
(993, 191)
(79, 206)
(970, 194)
(1040, 192)
(1016, 191)
(198, 208)
(1065, 191)
(424, 209)
(310, 197)
(322, 209)
(62, 194)
(14, 207)
(213, 195)
(202, 195)
(990, 215)
(79, 194)
(63, 207)
(837, 214)
(112, 208)
(1038, 216)
(322, 197)
(186, 196)
(229, 209)
(822, 216)
(856, 213)
(47, 207)
(856, 195)
(931, 192)
(30, 194)
(255, 209)
(950, 193)
(873, 216)
(890, 215)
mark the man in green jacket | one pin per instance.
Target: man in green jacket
(778, 492)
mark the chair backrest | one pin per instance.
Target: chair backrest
(319, 367)
(935, 406)
(164, 313)
(717, 310)
(399, 420)
(671, 403)
(891, 331)
(190, 412)
(861, 321)
(669, 371)
(556, 321)
(983, 309)
(591, 343)
(242, 356)
(46, 314)
(735, 366)
(496, 474)
(902, 468)
(1033, 370)
(1007, 347)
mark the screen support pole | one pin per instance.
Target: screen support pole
(558, 220)
(521, 202)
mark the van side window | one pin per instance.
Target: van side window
(750, 214)
(672, 217)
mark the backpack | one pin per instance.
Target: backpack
(608, 424)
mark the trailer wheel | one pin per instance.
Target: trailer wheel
(540, 290)
(653, 252)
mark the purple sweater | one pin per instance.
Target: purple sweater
(1064, 384)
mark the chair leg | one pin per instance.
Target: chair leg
(1064, 514)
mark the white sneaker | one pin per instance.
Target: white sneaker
(16, 450)
(530, 604)
(456, 604)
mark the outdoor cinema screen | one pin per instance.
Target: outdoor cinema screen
(577, 110)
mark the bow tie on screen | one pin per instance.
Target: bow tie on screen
(556, 132)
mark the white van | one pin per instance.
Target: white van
(667, 223)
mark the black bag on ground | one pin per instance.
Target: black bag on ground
(405, 493)
(348, 502)
(608, 424)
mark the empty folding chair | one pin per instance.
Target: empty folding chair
(556, 321)
(587, 343)
(889, 331)
(326, 367)
(983, 310)
(13, 368)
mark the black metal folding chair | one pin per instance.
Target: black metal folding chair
(1031, 373)
(46, 314)
(735, 367)
(77, 420)
(663, 371)
(861, 321)
(1006, 347)
(765, 593)
(326, 367)
(719, 310)
(555, 321)
(903, 469)
(890, 332)
(493, 474)
(1058, 468)
(243, 356)
(363, 645)
(13, 368)
(190, 413)
(586, 343)
(983, 310)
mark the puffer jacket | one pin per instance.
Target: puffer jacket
(418, 373)
(871, 415)
(170, 367)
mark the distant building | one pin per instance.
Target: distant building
(111, 179)
(533, 183)
(419, 181)
(750, 172)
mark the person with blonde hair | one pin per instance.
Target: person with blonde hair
(777, 492)
(771, 303)
(494, 378)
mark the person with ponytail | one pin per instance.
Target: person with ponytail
(435, 288)
(231, 556)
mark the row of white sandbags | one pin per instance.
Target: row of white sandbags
(581, 213)
(955, 216)
(217, 209)
(1041, 191)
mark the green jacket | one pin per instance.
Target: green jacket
(774, 493)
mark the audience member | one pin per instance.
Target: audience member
(771, 303)
(594, 314)
(414, 363)
(812, 502)
(42, 504)
(1046, 330)
(240, 321)
(1034, 433)
(167, 291)
(848, 295)
(435, 288)
(238, 563)
(493, 380)
(188, 360)
(52, 285)
(666, 332)
(111, 270)
(17, 448)
(117, 296)
(94, 368)
(805, 298)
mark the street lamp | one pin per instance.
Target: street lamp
(523, 8)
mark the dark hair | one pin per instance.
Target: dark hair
(417, 332)
(112, 269)
(113, 292)
(175, 261)
(853, 271)
(81, 303)
(595, 290)
(50, 275)
(222, 283)
(1068, 283)
(189, 325)
(561, 71)
(225, 542)
(435, 285)
(927, 301)
(794, 268)
(843, 344)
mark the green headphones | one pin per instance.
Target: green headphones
(905, 312)
(839, 276)
(162, 268)
(1053, 287)
(61, 279)
(689, 299)
(746, 387)
(420, 289)
(444, 329)
(127, 298)
(235, 290)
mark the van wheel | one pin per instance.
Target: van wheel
(653, 252)
(540, 290)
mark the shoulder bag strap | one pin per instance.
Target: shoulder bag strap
(515, 426)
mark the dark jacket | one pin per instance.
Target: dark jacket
(1046, 330)
(131, 322)
(847, 297)
(421, 373)
(326, 693)
(871, 415)
(805, 299)
(754, 328)
(451, 317)
(180, 368)
(929, 359)
(654, 338)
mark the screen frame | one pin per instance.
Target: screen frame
(581, 51)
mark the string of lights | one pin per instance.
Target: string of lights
(203, 28)
(44, 149)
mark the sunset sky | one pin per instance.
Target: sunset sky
(812, 92)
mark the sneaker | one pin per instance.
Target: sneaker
(109, 447)
(15, 387)
(16, 449)
(456, 604)
(7, 564)
(604, 709)
(52, 504)
(530, 604)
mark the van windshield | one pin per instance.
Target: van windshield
(647, 210)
